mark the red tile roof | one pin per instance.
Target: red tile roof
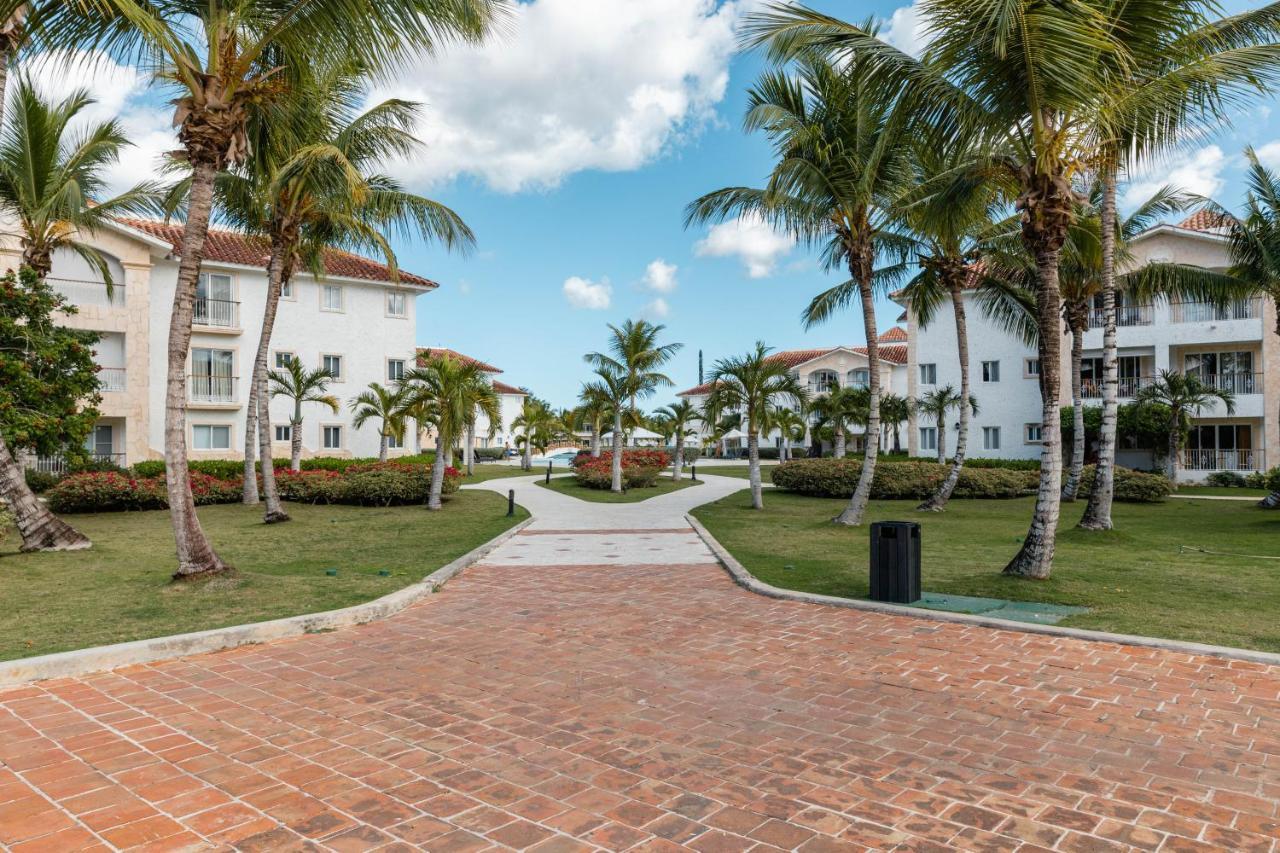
(425, 352)
(232, 247)
(704, 388)
(1205, 220)
(504, 388)
(895, 335)
(893, 354)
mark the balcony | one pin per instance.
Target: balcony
(1128, 387)
(111, 379)
(216, 313)
(1236, 383)
(1207, 312)
(1126, 315)
(204, 388)
(58, 464)
(85, 293)
(1224, 460)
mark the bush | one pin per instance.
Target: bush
(640, 468)
(1256, 479)
(119, 492)
(365, 484)
(1271, 481)
(148, 468)
(39, 481)
(85, 464)
(768, 452)
(1225, 479)
(914, 480)
(1007, 464)
(1134, 487)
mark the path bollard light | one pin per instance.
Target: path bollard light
(333, 573)
(895, 561)
(548, 481)
(693, 473)
(511, 502)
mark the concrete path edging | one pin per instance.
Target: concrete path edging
(102, 658)
(748, 581)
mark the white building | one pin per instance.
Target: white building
(354, 320)
(818, 370)
(510, 401)
(1234, 348)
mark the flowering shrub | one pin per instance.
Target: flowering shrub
(915, 480)
(365, 484)
(111, 491)
(640, 469)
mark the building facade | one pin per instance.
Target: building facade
(1233, 347)
(354, 320)
(510, 401)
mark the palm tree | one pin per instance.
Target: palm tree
(1184, 395)
(228, 59)
(447, 390)
(895, 410)
(485, 402)
(937, 405)
(52, 178)
(842, 148)
(679, 418)
(633, 359)
(300, 385)
(594, 410)
(753, 384)
(385, 405)
(791, 424)
(533, 422)
(839, 408)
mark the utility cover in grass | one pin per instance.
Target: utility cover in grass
(1017, 611)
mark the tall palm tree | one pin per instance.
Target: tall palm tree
(300, 385)
(634, 359)
(753, 384)
(840, 140)
(227, 59)
(937, 405)
(534, 420)
(448, 389)
(615, 390)
(387, 407)
(1184, 395)
(839, 408)
(679, 418)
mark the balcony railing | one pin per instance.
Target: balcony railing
(212, 389)
(1207, 312)
(58, 464)
(1236, 383)
(111, 379)
(222, 313)
(83, 292)
(1126, 315)
(1223, 460)
(1128, 387)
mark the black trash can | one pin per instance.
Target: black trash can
(895, 561)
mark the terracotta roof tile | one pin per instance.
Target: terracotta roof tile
(504, 388)
(892, 353)
(1205, 220)
(425, 352)
(232, 247)
(895, 335)
(704, 388)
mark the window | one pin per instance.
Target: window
(1229, 371)
(928, 438)
(331, 297)
(990, 371)
(1034, 434)
(928, 374)
(283, 359)
(333, 364)
(212, 379)
(284, 433)
(1031, 368)
(822, 381)
(286, 289)
(991, 438)
(395, 369)
(394, 443)
(214, 305)
(209, 437)
(100, 442)
(397, 303)
(332, 437)
(859, 378)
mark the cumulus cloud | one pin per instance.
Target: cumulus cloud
(657, 309)
(907, 29)
(1269, 154)
(1198, 171)
(570, 85)
(592, 295)
(751, 240)
(660, 276)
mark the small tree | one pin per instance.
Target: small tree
(1184, 395)
(838, 409)
(679, 418)
(301, 386)
(534, 424)
(385, 405)
(792, 426)
(446, 391)
(936, 405)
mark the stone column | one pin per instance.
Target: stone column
(137, 353)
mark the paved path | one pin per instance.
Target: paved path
(598, 683)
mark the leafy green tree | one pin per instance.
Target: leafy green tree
(791, 424)
(387, 407)
(445, 391)
(679, 418)
(300, 385)
(1182, 395)
(895, 410)
(485, 402)
(48, 399)
(594, 409)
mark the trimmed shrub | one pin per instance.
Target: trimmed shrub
(1007, 464)
(120, 492)
(1272, 480)
(148, 468)
(366, 484)
(768, 452)
(1225, 479)
(1132, 487)
(915, 480)
(39, 481)
(640, 468)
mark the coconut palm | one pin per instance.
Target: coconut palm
(534, 424)
(227, 59)
(593, 411)
(936, 405)
(1183, 395)
(387, 407)
(753, 384)
(300, 385)
(485, 402)
(895, 410)
(53, 178)
(791, 424)
(447, 391)
(679, 418)
(839, 408)
(634, 359)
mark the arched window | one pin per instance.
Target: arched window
(859, 377)
(821, 381)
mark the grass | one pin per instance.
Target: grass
(120, 589)
(571, 487)
(493, 471)
(740, 471)
(1134, 579)
(1224, 491)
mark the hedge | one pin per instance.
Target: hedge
(233, 469)
(1269, 480)
(115, 492)
(1134, 487)
(640, 468)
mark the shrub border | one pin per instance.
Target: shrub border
(750, 582)
(102, 658)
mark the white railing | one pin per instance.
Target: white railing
(1207, 312)
(1223, 460)
(111, 379)
(1126, 315)
(1236, 383)
(58, 464)
(212, 389)
(1128, 387)
(87, 293)
(222, 313)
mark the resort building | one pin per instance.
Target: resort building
(510, 401)
(355, 320)
(1233, 347)
(818, 370)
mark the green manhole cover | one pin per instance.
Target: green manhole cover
(1017, 611)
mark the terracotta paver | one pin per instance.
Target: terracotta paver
(648, 707)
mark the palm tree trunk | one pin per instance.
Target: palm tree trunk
(249, 490)
(858, 503)
(1097, 515)
(295, 441)
(278, 272)
(526, 457)
(196, 556)
(1035, 558)
(616, 462)
(942, 437)
(753, 468)
(838, 439)
(382, 447)
(40, 529)
(273, 512)
(675, 474)
(448, 455)
(470, 450)
(437, 475)
(1072, 485)
(1175, 446)
(938, 501)
(595, 441)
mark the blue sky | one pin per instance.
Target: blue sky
(571, 145)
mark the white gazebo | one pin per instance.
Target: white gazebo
(638, 437)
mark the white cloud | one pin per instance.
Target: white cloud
(657, 309)
(1198, 171)
(1269, 154)
(906, 29)
(751, 240)
(660, 276)
(570, 85)
(592, 295)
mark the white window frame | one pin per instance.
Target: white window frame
(988, 433)
(342, 298)
(386, 304)
(403, 366)
(291, 294)
(211, 428)
(394, 444)
(932, 434)
(1033, 433)
(288, 433)
(276, 358)
(342, 365)
(1028, 371)
(990, 369)
(932, 373)
(342, 436)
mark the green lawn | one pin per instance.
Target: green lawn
(570, 486)
(120, 589)
(1225, 491)
(491, 471)
(740, 471)
(1134, 579)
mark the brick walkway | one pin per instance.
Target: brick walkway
(648, 706)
